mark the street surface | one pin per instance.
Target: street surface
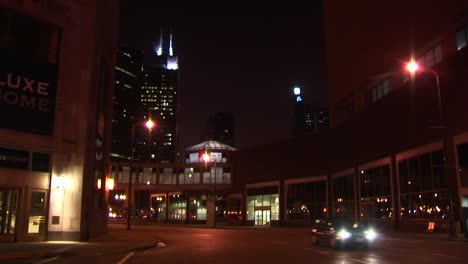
(181, 244)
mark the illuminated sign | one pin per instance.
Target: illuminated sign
(11, 158)
(27, 94)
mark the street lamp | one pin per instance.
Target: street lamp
(207, 158)
(412, 67)
(149, 124)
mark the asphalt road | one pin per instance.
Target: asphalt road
(259, 245)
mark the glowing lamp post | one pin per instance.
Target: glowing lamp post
(207, 158)
(149, 124)
(412, 67)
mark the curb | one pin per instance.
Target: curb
(26, 255)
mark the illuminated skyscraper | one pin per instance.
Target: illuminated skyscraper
(158, 101)
(316, 119)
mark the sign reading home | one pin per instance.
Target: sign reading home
(27, 94)
(12, 158)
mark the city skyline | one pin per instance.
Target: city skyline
(243, 61)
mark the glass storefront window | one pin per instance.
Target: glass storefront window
(430, 205)
(376, 202)
(263, 208)
(306, 201)
(158, 207)
(197, 208)
(343, 195)
(423, 187)
(177, 207)
(8, 207)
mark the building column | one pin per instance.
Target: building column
(187, 207)
(166, 219)
(210, 209)
(450, 171)
(329, 198)
(357, 193)
(282, 203)
(244, 206)
(395, 192)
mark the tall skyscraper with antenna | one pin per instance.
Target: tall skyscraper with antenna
(158, 101)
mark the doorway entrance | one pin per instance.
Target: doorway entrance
(8, 212)
(262, 217)
(37, 216)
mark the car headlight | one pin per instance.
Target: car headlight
(370, 234)
(343, 234)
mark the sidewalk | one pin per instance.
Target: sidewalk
(117, 240)
(426, 235)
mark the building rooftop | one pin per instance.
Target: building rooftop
(211, 145)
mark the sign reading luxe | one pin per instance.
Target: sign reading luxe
(27, 94)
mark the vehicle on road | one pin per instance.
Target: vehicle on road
(340, 232)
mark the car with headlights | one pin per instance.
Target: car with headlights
(340, 232)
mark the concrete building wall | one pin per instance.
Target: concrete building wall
(86, 59)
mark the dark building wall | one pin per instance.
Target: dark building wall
(371, 39)
(406, 118)
(125, 100)
(81, 90)
(220, 127)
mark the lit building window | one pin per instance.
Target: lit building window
(379, 91)
(431, 57)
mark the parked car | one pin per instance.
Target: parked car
(339, 232)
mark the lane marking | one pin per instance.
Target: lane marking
(318, 251)
(129, 255)
(46, 260)
(400, 239)
(357, 260)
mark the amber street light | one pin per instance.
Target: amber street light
(149, 124)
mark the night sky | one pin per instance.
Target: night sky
(239, 57)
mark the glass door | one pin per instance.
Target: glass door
(266, 217)
(8, 209)
(37, 215)
(262, 217)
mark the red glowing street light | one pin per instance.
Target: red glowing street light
(412, 67)
(206, 157)
(149, 124)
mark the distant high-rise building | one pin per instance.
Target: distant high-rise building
(298, 119)
(125, 101)
(220, 127)
(316, 119)
(158, 101)
(307, 119)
